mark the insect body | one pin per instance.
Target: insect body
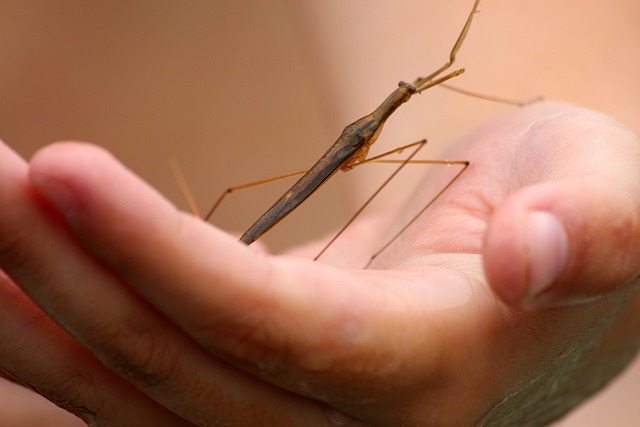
(352, 147)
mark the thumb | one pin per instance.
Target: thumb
(562, 242)
(566, 241)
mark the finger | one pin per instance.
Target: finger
(129, 336)
(65, 373)
(166, 250)
(35, 351)
(17, 316)
(293, 322)
(573, 234)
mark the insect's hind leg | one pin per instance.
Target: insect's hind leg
(464, 165)
(416, 147)
(383, 158)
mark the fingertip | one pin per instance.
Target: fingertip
(57, 157)
(526, 250)
(52, 170)
(503, 254)
(56, 164)
(561, 243)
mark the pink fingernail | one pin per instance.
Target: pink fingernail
(548, 251)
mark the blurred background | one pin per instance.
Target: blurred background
(240, 91)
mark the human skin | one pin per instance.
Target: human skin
(582, 51)
(465, 320)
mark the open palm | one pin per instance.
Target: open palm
(507, 303)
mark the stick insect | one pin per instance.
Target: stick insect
(351, 150)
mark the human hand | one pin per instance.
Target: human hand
(204, 330)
